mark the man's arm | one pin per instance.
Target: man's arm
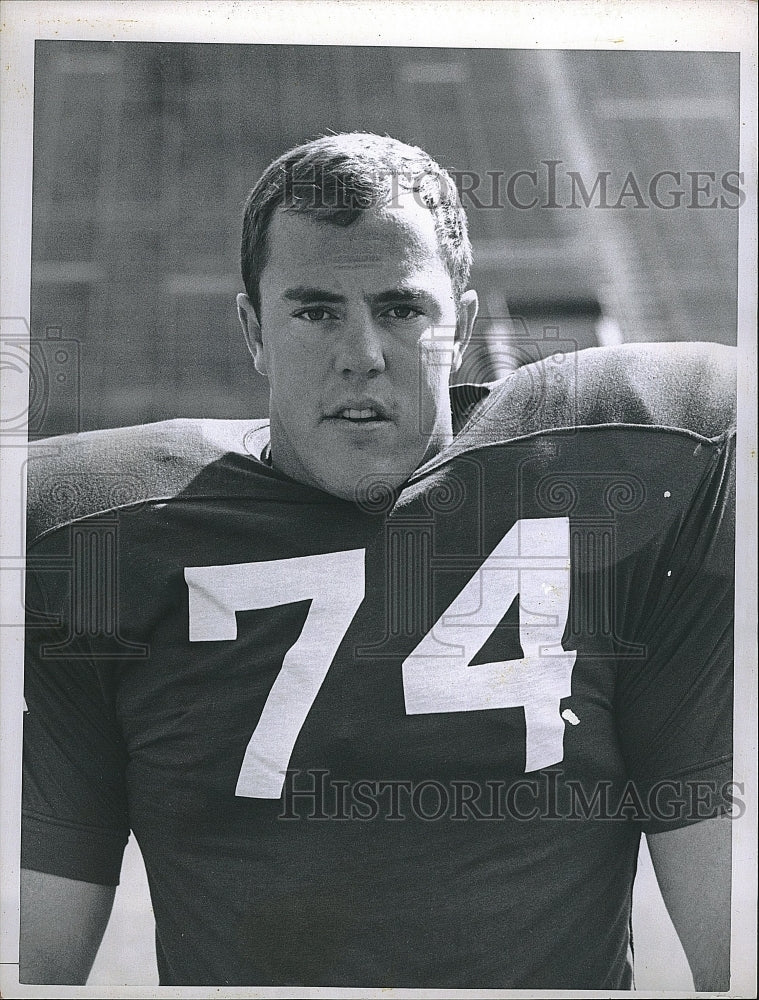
(62, 925)
(693, 869)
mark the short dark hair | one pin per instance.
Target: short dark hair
(336, 177)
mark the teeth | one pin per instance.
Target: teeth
(367, 414)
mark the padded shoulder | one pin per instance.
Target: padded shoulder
(681, 385)
(77, 475)
(688, 386)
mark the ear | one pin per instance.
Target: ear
(468, 306)
(251, 329)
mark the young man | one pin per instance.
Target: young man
(384, 706)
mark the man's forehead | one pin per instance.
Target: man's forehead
(400, 238)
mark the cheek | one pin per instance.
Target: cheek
(291, 369)
(295, 391)
(433, 367)
(431, 385)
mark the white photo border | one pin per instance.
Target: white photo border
(698, 25)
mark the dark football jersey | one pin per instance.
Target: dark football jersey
(403, 744)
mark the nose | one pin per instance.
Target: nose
(360, 350)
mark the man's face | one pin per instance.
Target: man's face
(358, 336)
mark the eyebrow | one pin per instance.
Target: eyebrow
(308, 293)
(402, 294)
(305, 293)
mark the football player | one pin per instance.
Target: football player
(389, 686)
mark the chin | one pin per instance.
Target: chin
(372, 486)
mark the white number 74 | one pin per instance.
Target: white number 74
(531, 560)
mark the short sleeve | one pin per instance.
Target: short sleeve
(74, 818)
(674, 705)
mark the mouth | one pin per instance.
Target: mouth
(361, 414)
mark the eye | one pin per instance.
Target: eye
(313, 314)
(403, 312)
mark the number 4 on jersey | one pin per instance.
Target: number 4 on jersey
(532, 560)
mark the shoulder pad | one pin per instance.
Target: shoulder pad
(77, 475)
(680, 385)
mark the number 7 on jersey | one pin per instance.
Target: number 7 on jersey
(334, 583)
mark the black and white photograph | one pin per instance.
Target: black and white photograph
(378, 547)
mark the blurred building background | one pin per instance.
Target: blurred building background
(144, 154)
